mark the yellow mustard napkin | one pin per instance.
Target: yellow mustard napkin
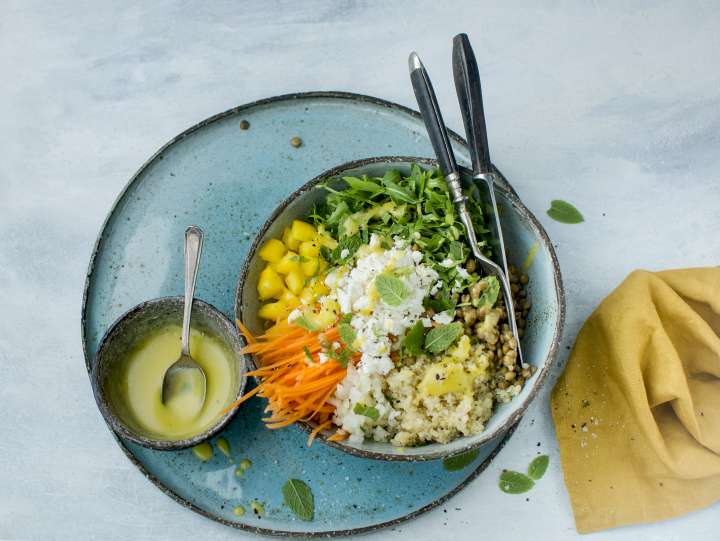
(637, 411)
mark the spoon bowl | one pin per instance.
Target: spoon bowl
(185, 381)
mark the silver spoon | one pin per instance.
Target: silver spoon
(186, 375)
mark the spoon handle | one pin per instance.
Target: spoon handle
(193, 249)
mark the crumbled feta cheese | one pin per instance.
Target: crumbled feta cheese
(447, 263)
(443, 317)
(462, 273)
(344, 253)
(373, 320)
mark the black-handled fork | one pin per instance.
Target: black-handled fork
(437, 132)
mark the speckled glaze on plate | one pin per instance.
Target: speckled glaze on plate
(227, 181)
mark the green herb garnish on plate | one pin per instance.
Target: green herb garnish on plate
(299, 498)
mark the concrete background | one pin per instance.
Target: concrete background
(614, 106)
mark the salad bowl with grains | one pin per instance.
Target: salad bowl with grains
(370, 325)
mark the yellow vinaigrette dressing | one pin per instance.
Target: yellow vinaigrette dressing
(140, 384)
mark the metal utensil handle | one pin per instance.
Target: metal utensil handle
(427, 102)
(193, 249)
(469, 91)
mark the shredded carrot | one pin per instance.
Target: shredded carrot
(319, 428)
(340, 435)
(296, 389)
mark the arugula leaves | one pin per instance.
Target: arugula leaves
(416, 207)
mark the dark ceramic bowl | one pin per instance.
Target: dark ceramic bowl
(522, 232)
(136, 324)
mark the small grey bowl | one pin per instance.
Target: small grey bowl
(523, 234)
(135, 325)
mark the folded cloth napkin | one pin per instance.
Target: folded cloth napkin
(637, 411)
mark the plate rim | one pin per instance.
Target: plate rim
(331, 94)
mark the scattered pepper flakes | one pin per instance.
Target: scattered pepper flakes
(244, 124)
(585, 403)
(296, 142)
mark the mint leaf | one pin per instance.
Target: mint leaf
(513, 482)
(458, 462)
(413, 341)
(303, 323)
(299, 498)
(347, 334)
(490, 295)
(563, 212)
(392, 290)
(367, 411)
(538, 466)
(441, 338)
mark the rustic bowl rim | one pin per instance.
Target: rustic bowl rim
(237, 342)
(506, 188)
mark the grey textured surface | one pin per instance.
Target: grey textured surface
(615, 108)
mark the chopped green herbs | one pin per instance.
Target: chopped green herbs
(458, 462)
(538, 466)
(416, 208)
(367, 411)
(303, 323)
(413, 341)
(299, 498)
(308, 355)
(563, 212)
(347, 334)
(391, 289)
(440, 338)
(514, 482)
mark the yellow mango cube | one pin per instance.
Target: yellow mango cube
(310, 248)
(273, 310)
(290, 299)
(295, 281)
(327, 241)
(302, 231)
(289, 262)
(272, 251)
(310, 266)
(269, 284)
(289, 241)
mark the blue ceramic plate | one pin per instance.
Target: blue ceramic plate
(228, 181)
